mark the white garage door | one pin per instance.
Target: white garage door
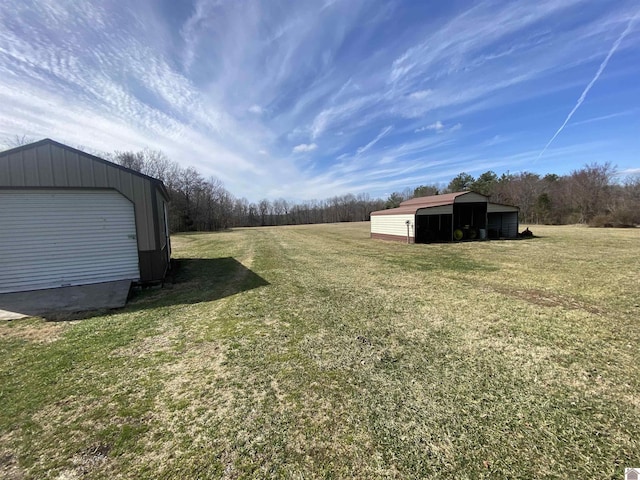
(56, 238)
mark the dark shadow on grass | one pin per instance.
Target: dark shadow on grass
(196, 280)
(190, 280)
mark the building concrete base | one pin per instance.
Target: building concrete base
(97, 296)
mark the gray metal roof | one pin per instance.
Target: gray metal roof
(48, 142)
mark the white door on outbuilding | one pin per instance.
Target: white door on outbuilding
(61, 237)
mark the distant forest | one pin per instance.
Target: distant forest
(593, 195)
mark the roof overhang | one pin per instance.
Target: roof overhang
(443, 204)
(500, 208)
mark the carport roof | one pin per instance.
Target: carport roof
(411, 207)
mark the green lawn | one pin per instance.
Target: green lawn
(315, 352)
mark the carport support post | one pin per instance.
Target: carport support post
(408, 222)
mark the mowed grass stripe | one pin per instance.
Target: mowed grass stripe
(313, 352)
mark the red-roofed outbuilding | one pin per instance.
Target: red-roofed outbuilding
(445, 218)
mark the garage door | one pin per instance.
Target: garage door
(56, 238)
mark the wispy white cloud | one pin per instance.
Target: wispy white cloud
(436, 126)
(304, 147)
(339, 114)
(495, 140)
(439, 127)
(421, 94)
(242, 90)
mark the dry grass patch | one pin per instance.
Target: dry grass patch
(31, 330)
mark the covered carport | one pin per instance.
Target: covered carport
(445, 218)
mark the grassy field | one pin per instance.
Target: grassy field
(315, 352)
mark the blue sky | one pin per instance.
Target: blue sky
(310, 99)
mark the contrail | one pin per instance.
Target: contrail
(603, 65)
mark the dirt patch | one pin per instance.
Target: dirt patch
(86, 461)
(91, 457)
(547, 299)
(9, 469)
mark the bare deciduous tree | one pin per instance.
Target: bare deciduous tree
(584, 195)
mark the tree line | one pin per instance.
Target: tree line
(592, 195)
(199, 204)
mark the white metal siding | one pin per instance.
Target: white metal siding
(47, 164)
(54, 238)
(392, 224)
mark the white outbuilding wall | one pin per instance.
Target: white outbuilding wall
(392, 227)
